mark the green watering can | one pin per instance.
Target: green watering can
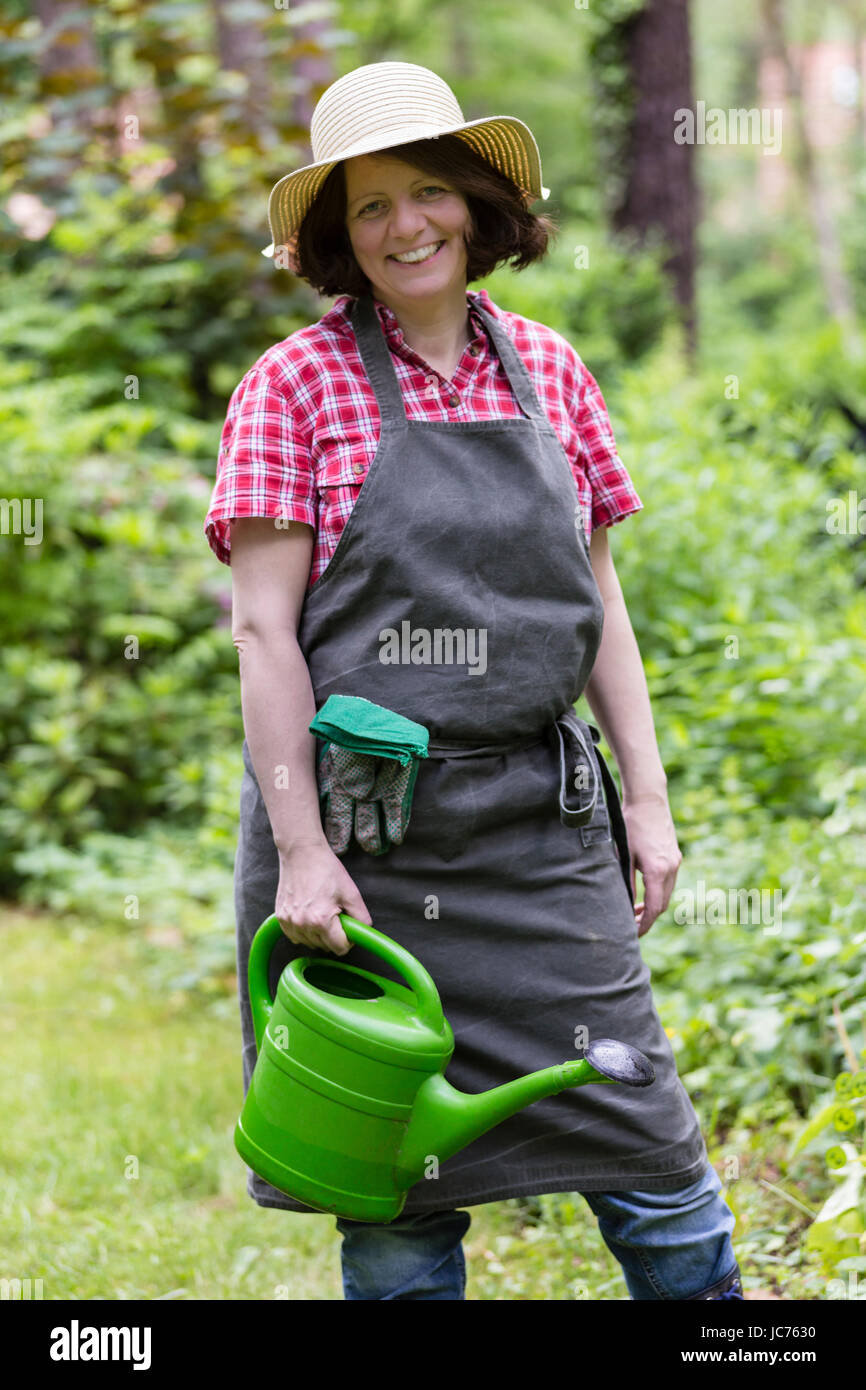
(347, 1106)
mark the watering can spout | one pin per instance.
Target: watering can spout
(444, 1120)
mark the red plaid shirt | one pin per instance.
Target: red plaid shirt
(302, 425)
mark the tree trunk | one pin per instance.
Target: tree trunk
(660, 195)
(837, 289)
(314, 71)
(242, 47)
(69, 49)
(69, 64)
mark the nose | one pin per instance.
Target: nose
(406, 220)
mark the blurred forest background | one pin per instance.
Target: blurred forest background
(717, 290)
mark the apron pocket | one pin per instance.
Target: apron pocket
(599, 825)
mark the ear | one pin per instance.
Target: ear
(285, 255)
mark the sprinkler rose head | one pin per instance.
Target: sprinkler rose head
(620, 1062)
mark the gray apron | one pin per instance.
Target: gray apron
(510, 887)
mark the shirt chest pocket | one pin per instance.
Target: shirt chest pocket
(342, 471)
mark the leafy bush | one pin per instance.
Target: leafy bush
(838, 1230)
(118, 678)
(748, 611)
(612, 302)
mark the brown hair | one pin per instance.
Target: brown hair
(502, 227)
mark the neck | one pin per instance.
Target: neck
(434, 329)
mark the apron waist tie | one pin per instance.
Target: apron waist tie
(438, 749)
(578, 729)
(617, 823)
(572, 730)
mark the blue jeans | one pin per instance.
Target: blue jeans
(671, 1245)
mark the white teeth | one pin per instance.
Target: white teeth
(422, 254)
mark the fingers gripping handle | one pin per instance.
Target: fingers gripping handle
(413, 972)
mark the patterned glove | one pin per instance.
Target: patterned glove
(358, 790)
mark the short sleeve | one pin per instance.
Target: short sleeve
(613, 493)
(265, 462)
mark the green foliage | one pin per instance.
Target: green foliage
(747, 608)
(854, 230)
(610, 299)
(142, 309)
(136, 300)
(760, 277)
(151, 266)
(747, 987)
(838, 1232)
(118, 678)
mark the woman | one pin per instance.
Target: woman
(421, 460)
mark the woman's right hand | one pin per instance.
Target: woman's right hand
(314, 889)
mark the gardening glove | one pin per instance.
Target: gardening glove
(337, 789)
(369, 795)
(393, 790)
(367, 771)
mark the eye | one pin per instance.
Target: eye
(430, 187)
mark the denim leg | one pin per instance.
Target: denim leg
(410, 1257)
(674, 1244)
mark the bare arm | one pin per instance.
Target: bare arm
(270, 571)
(618, 697)
(617, 689)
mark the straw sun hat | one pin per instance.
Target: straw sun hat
(380, 105)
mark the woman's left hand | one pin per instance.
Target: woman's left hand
(652, 843)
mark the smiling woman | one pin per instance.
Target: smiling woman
(417, 463)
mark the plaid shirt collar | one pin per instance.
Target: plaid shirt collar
(394, 332)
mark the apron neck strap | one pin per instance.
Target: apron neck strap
(379, 365)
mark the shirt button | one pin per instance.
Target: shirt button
(454, 400)
(358, 467)
(474, 350)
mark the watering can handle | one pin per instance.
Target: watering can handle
(416, 977)
(413, 972)
(261, 999)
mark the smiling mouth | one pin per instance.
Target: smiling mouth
(424, 259)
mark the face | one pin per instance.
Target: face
(393, 207)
